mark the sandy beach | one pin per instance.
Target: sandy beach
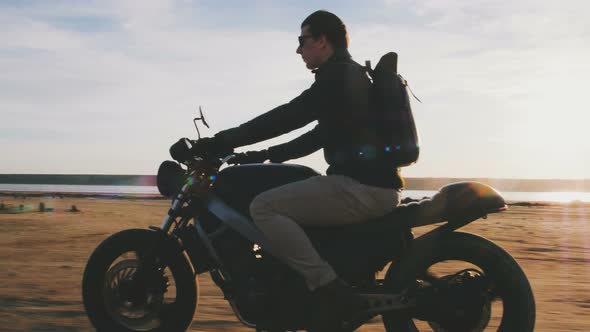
(43, 255)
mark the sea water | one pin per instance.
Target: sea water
(149, 190)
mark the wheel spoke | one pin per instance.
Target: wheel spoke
(132, 311)
(116, 297)
(450, 279)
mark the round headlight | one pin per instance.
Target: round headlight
(171, 178)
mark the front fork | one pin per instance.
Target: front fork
(150, 262)
(174, 211)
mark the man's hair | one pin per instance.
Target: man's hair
(323, 22)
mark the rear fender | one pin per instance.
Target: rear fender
(403, 271)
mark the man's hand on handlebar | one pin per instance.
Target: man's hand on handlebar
(210, 146)
(185, 150)
(180, 151)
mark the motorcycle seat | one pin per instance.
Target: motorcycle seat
(460, 202)
(399, 219)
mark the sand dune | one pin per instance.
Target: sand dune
(43, 256)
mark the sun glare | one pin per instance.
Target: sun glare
(562, 197)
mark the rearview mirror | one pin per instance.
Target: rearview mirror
(201, 117)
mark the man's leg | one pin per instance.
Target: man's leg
(321, 200)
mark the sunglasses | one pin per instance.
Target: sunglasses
(302, 39)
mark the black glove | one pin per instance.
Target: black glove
(210, 146)
(180, 151)
(185, 149)
(250, 157)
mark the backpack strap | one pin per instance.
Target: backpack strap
(408, 85)
(368, 68)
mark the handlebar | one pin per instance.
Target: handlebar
(227, 159)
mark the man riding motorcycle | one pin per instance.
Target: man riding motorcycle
(359, 185)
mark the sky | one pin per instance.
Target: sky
(105, 87)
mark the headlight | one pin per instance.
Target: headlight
(171, 178)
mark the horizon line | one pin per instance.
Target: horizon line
(405, 177)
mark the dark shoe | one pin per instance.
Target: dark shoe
(332, 306)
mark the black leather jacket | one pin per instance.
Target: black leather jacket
(339, 101)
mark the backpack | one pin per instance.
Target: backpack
(391, 113)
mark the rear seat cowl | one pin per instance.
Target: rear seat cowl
(460, 202)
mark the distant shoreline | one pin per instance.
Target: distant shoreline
(524, 185)
(31, 194)
(156, 197)
(79, 179)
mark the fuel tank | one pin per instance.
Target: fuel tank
(238, 185)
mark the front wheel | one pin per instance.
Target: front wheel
(466, 284)
(122, 293)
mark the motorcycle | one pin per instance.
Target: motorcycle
(446, 280)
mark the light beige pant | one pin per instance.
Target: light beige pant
(320, 200)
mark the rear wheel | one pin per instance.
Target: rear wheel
(121, 294)
(466, 283)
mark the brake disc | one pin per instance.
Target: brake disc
(135, 306)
